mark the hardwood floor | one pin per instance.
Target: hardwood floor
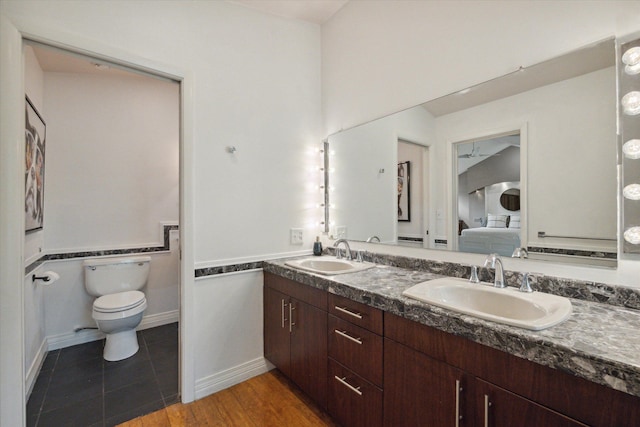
(266, 400)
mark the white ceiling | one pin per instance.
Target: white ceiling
(315, 11)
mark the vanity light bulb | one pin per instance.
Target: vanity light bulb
(632, 56)
(632, 70)
(631, 103)
(631, 192)
(631, 149)
(632, 235)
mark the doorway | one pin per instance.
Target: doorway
(113, 174)
(413, 194)
(487, 197)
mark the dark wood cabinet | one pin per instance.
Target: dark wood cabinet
(498, 389)
(355, 379)
(353, 401)
(421, 391)
(496, 407)
(369, 368)
(295, 340)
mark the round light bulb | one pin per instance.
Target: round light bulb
(632, 70)
(632, 56)
(631, 149)
(631, 192)
(632, 235)
(631, 103)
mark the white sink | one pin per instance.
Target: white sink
(329, 265)
(533, 311)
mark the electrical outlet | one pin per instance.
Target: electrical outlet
(341, 232)
(296, 236)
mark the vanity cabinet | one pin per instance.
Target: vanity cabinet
(295, 340)
(433, 375)
(355, 377)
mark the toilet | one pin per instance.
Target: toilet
(120, 303)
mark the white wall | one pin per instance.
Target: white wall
(379, 57)
(254, 83)
(112, 160)
(359, 154)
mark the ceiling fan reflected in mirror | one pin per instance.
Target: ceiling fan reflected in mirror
(475, 152)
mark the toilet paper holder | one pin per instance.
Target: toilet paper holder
(46, 278)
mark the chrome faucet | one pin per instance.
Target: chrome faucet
(373, 238)
(494, 261)
(346, 246)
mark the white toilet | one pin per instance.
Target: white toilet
(120, 304)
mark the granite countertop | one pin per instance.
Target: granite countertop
(599, 342)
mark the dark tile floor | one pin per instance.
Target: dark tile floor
(77, 387)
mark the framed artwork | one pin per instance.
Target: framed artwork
(34, 133)
(404, 191)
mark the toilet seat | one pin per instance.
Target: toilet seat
(120, 301)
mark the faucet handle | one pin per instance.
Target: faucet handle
(474, 274)
(526, 285)
(359, 256)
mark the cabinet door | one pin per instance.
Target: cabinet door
(353, 402)
(276, 330)
(420, 391)
(309, 350)
(497, 407)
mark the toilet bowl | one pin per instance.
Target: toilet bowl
(117, 316)
(118, 310)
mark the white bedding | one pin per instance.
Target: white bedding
(486, 240)
(485, 231)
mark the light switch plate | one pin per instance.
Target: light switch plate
(296, 236)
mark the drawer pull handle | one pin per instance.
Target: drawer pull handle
(345, 383)
(283, 317)
(349, 312)
(487, 404)
(458, 416)
(347, 336)
(291, 323)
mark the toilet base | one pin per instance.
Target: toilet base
(121, 345)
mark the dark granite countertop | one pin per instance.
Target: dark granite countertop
(599, 342)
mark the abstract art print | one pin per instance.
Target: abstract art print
(35, 131)
(404, 193)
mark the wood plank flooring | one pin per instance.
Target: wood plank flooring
(266, 400)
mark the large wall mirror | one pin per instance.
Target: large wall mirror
(528, 160)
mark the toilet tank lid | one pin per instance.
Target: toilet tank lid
(120, 260)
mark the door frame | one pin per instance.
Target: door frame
(14, 35)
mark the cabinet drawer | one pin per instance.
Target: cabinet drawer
(353, 401)
(357, 313)
(356, 348)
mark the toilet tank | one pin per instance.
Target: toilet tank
(103, 276)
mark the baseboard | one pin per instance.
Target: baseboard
(230, 377)
(34, 369)
(68, 339)
(159, 319)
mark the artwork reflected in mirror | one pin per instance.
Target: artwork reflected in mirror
(35, 130)
(404, 191)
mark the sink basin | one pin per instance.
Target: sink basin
(533, 311)
(329, 265)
